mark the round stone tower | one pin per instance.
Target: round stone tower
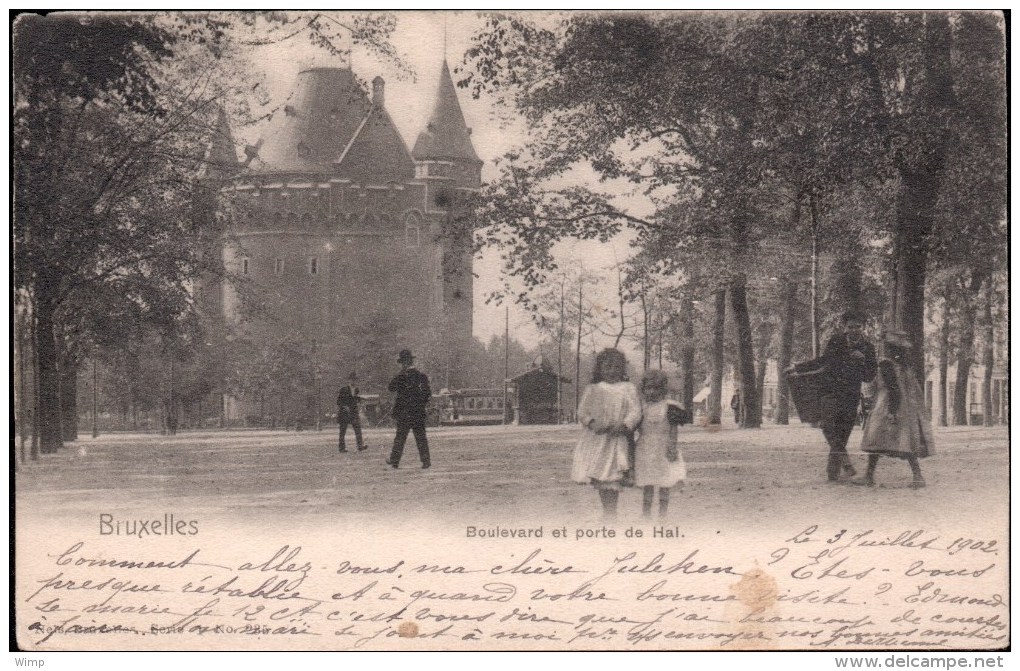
(350, 249)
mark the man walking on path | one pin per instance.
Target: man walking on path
(847, 361)
(347, 412)
(413, 393)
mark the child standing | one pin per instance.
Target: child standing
(609, 412)
(658, 463)
(898, 426)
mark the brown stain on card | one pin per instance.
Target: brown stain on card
(756, 589)
(407, 630)
(756, 592)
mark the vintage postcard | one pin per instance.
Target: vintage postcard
(534, 331)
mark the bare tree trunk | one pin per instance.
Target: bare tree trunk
(764, 347)
(34, 450)
(661, 330)
(718, 348)
(50, 432)
(749, 402)
(815, 326)
(759, 381)
(920, 183)
(619, 294)
(95, 397)
(944, 363)
(785, 356)
(69, 399)
(687, 350)
(559, 357)
(577, 355)
(645, 315)
(965, 355)
(22, 405)
(988, 354)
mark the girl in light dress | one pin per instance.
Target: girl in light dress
(658, 462)
(609, 412)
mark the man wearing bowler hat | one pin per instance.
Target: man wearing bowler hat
(411, 387)
(847, 361)
(347, 412)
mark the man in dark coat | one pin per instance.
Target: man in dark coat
(412, 390)
(848, 361)
(347, 412)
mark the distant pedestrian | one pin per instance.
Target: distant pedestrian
(847, 361)
(347, 413)
(658, 463)
(735, 406)
(898, 425)
(412, 390)
(609, 412)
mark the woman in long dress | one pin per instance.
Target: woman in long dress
(609, 412)
(898, 425)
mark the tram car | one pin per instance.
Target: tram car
(471, 407)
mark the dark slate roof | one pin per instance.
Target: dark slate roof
(377, 154)
(446, 136)
(539, 372)
(328, 125)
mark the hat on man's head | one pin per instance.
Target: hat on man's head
(353, 375)
(897, 338)
(405, 356)
(854, 315)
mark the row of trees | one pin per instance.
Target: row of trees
(797, 164)
(281, 379)
(111, 148)
(852, 154)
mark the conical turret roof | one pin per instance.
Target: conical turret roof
(446, 136)
(328, 125)
(221, 152)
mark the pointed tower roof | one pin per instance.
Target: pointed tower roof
(446, 136)
(329, 125)
(221, 152)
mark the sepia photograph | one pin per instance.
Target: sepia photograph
(511, 331)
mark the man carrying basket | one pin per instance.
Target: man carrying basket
(828, 389)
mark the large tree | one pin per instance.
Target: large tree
(109, 144)
(730, 113)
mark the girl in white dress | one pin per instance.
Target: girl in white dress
(609, 412)
(658, 462)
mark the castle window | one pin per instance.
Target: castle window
(278, 218)
(292, 220)
(313, 265)
(279, 266)
(244, 266)
(443, 199)
(306, 220)
(412, 235)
